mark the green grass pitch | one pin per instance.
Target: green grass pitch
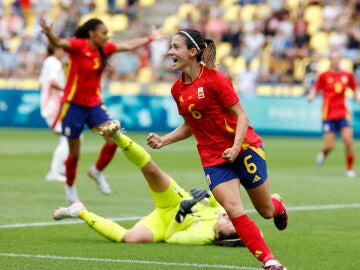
(324, 208)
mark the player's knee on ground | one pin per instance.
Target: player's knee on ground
(138, 235)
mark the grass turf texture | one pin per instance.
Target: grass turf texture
(315, 239)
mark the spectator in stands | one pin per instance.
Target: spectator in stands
(4, 27)
(125, 66)
(351, 50)
(84, 6)
(234, 36)
(14, 23)
(338, 40)
(247, 81)
(188, 21)
(131, 10)
(253, 43)
(82, 99)
(330, 15)
(216, 27)
(286, 25)
(333, 84)
(216, 9)
(41, 6)
(8, 62)
(223, 67)
(281, 43)
(26, 65)
(70, 23)
(300, 37)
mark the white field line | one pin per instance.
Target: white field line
(194, 265)
(290, 209)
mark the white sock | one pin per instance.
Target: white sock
(271, 262)
(96, 171)
(60, 155)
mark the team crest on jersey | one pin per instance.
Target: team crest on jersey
(344, 79)
(201, 93)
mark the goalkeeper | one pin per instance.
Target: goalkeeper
(179, 217)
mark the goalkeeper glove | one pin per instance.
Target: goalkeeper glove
(199, 193)
(184, 209)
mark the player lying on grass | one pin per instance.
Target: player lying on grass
(179, 217)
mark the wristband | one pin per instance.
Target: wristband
(149, 38)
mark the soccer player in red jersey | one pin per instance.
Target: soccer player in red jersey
(333, 84)
(82, 101)
(230, 150)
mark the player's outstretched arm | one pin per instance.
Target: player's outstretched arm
(53, 39)
(138, 42)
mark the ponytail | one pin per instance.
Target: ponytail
(208, 54)
(206, 47)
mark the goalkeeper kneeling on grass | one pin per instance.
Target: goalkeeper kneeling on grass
(179, 217)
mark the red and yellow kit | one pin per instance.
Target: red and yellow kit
(204, 105)
(84, 76)
(333, 86)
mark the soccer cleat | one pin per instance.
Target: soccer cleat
(350, 173)
(100, 180)
(71, 194)
(68, 212)
(110, 129)
(273, 265)
(320, 158)
(55, 177)
(280, 220)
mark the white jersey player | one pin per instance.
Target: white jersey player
(52, 81)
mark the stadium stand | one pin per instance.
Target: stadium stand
(240, 19)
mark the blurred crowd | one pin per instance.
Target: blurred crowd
(265, 41)
(23, 46)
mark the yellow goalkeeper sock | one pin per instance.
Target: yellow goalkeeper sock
(105, 227)
(133, 151)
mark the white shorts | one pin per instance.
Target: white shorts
(50, 122)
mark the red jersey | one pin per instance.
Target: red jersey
(204, 105)
(333, 86)
(83, 78)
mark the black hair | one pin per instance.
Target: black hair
(50, 49)
(205, 47)
(83, 32)
(231, 240)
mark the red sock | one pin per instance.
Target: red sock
(70, 167)
(106, 155)
(349, 162)
(252, 237)
(279, 207)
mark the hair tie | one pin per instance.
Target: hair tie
(193, 41)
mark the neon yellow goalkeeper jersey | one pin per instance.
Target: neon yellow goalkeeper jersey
(197, 228)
